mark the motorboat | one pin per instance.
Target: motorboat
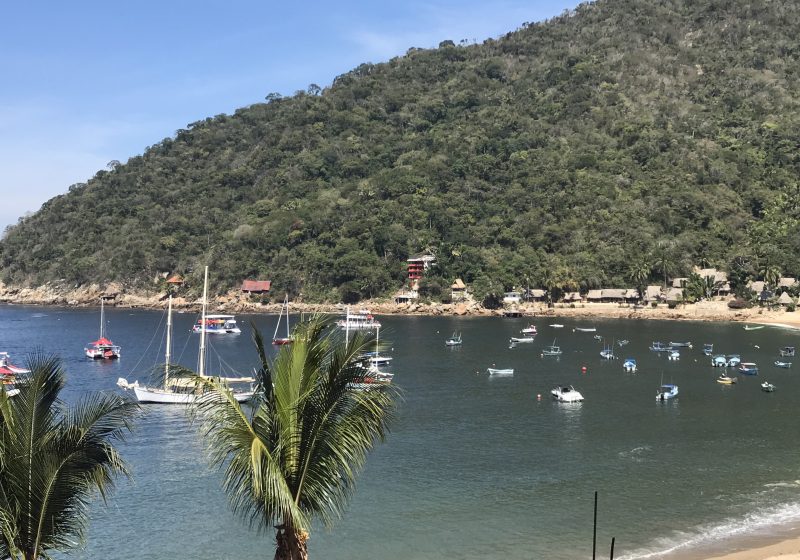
(218, 324)
(726, 379)
(584, 329)
(622, 342)
(629, 365)
(659, 347)
(767, 387)
(753, 327)
(680, 345)
(552, 350)
(719, 361)
(557, 326)
(733, 360)
(748, 368)
(708, 349)
(787, 351)
(597, 337)
(103, 348)
(674, 356)
(666, 392)
(785, 365)
(566, 393)
(454, 340)
(376, 359)
(499, 372)
(7, 368)
(361, 321)
(521, 339)
(530, 329)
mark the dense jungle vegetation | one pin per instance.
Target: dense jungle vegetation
(609, 146)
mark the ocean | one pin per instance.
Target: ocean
(474, 466)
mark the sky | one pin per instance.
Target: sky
(83, 83)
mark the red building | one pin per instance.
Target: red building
(417, 265)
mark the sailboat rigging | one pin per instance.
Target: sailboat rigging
(103, 348)
(279, 341)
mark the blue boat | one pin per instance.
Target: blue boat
(719, 361)
(733, 360)
(629, 365)
(708, 349)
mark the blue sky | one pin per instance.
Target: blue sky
(86, 82)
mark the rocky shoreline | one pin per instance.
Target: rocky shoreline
(237, 302)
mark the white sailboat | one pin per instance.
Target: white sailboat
(180, 390)
(281, 340)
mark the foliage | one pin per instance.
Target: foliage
(53, 459)
(626, 129)
(293, 455)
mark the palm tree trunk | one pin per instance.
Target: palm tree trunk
(290, 544)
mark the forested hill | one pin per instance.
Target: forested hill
(628, 135)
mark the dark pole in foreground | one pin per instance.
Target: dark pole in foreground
(612, 547)
(594, 531)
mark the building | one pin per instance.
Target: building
(652, 293)
(572, 297)
(175, 280)
(512, 298)
(417, 265)
(458, 290)
(256, 286)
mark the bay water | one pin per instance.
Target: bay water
(474, 466)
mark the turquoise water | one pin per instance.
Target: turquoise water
(476, 467)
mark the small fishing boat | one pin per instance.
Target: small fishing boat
(708, 349)
(218, 324)
(785, 365)
(496, 372)
(597, 337)
(454, 340)
(557, 326)
(680, 345)
(552, 350)
(622, 342)
(521, 339)
(629, 365)
(753, 327)
(666, 392)
(748, 368)
(726, 379)
(719, 361)
(530, 329)
(659, 347)
(566, 393)
(787, 351)
(584, 329)
(674, 355)
(733, 360)
(767, 387)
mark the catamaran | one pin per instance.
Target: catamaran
(281, 340)
(103, 348)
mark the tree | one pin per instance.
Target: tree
(639, 274)
(53, 458)
(664, 258)
(293, 455)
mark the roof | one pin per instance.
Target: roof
(572, 296)
(256, 285)
(631, 293)
(678, 282)
(757, 286)
(614, 293)
(537, 293)
(458, 285)
(652, 293)
(675, 294)
(785, 299)
(787, 282)
(595, 294)
(422, 257)
(219, 317)
(175, 279)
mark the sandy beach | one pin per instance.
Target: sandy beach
(784, 550)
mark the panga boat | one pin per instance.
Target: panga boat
(666, 392)
(767, 387)
(102, 348)
(680, 344)
(629, 365)
(748, 368)
(726, 379)
(787, 351)
(218, 324)
(518, 339)
(785, 365)
(708, 349)
(733, 360)
(674, 355)
(454, 340)
(557, 326)
(566, 393)
(753, 328)
(584, 329)
(530, 329)
(495, 372)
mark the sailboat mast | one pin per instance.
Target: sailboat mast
(347, 327)
(168, 354)
(287, 315)
(201, 358)
(102, 317)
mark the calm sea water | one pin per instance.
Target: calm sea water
(475, 467)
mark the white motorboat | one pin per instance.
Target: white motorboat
(666, 392)
(103, 348)
(496, 372)
(557, 326)
(584, 329)
(708, 349)
(767, 387)
(674, 355)
(629, 365)
(530, 329)
(733, 360)
(217, 324)
(719, 361)
(454, 340)
(521, 339)
(566, 393)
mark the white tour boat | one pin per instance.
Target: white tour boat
(361, 321)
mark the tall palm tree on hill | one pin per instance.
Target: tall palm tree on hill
(294, 453)
(53, 460)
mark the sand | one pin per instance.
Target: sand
(785, 550)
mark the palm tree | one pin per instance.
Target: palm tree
(294, 454)
(664, 258)
(53, 458)
(639, 273)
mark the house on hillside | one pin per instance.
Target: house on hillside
(458, 290)
(594, 296)
(417, 266)
(256, 286)
(512, 298)
(175, 280)
(679, 282)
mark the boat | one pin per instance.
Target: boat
(566, 393)
(767, 387)
(787, 351)
(597, 337)
(680, 345)
(753, 327)
(519, 339)
(785, 365)
(622, 342)
(217, 324)
(530, 329)
(748, 368)
(629, 365)
(375, 358)
(674, 355)
(708, 349)
(7, 368)
(552, 350)
(607, 353)
(719, 361)
(584, 329)
(454, 340)
(361, 321)
(557, 326)
(726, 379)
(666, 392)
(659, 347)
(281, 340)
(499, 372)
(103, 348)
(733, 360)
(182, 390)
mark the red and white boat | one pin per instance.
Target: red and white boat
(103, 348)
(7, 368)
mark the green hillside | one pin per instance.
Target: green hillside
(628, 135)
